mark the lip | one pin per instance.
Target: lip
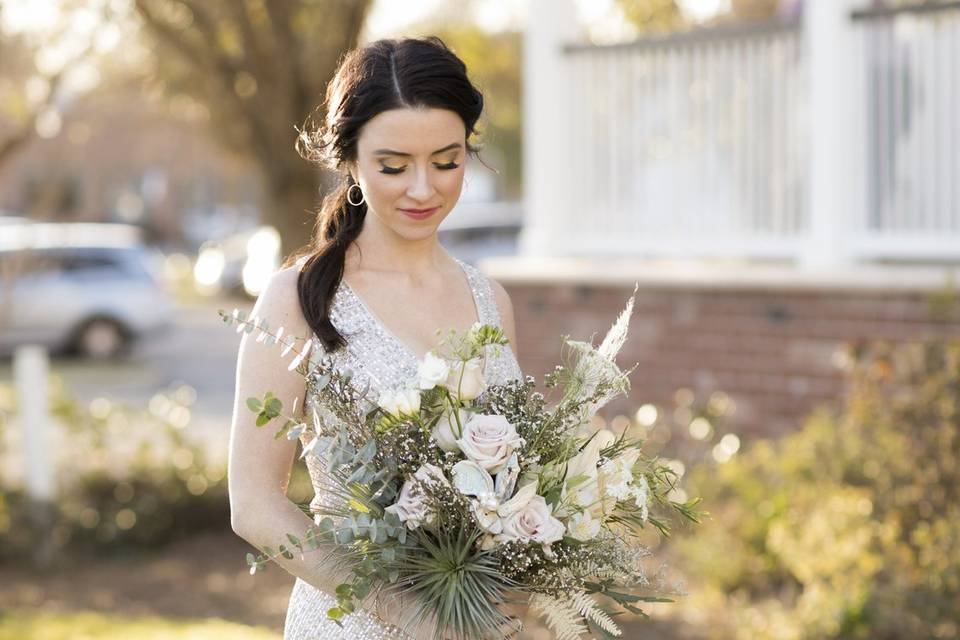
(419, 214)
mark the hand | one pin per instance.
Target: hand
(516, 609)
(393, 609)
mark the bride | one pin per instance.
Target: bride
(373, 289)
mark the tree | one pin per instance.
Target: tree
(653, 16)
(260, 67)
(29, 92)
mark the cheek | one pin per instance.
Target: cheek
(381, 187)
(450, 182)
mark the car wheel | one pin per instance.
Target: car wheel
(101, 339)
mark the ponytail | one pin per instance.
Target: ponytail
(337, 226)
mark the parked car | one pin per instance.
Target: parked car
(241, 263)
(90, 289)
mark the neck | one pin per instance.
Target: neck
(380, 249)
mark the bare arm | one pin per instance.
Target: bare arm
(258, 468)
(258, 465)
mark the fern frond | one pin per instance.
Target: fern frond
(617, 334)
(589, 609)
(562, 616)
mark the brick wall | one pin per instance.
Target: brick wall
(772, 351)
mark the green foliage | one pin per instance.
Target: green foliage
(455, 583)
(849, 528)
(653, 16)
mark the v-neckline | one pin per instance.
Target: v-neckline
(389, 332)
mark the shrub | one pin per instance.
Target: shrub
(849, 528)
(129, 478)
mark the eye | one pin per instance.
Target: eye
(395, 170)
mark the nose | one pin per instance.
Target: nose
(421, 188)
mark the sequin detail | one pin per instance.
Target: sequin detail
(377, 357)
(307, 619)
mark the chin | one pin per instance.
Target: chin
(416, 229)
(416, 233)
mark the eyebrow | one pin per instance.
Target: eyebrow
(391, 152)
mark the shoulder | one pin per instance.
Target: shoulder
(280, 301)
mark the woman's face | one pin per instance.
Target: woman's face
(410, 165)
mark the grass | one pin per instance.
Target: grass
(18, 624)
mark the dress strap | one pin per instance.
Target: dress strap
(482, 294)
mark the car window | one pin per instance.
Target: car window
(81, 263)
(73, 263)
(17, 264)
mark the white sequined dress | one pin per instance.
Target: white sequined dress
(376, 355)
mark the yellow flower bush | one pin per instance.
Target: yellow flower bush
(849, 528)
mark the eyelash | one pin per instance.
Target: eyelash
(393, 171)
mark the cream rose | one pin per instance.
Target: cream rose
(527, 516)
(445, 432)
(489, 440)
(465, 379)
(411, 507)
(400, 402)
(432, 370)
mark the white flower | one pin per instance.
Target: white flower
(475, 330)
(411, 506)
(485, 510)
(473, 480)
(432, 370)
(527, 516)
(642, 496)
(582, 484)
(400, 402)
(445, 432)
(465, 379)
(489, 440)
(583, 526)
(616, 476)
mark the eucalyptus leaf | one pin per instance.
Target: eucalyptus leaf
(368, 451)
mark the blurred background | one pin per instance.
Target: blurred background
(782, 179)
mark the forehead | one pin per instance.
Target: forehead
(413, 131)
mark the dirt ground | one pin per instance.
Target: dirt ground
(205, 576)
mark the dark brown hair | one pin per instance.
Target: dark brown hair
(385, 74)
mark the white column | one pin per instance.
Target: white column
(833, 118)
(30, 371)
(547, 166)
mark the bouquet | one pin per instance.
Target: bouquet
(464, 496)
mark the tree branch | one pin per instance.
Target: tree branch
(213, 60)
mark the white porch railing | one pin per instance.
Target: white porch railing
(689, 144)
(699, 144)
(911, 156)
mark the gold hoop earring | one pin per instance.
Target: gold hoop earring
(350, 190)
